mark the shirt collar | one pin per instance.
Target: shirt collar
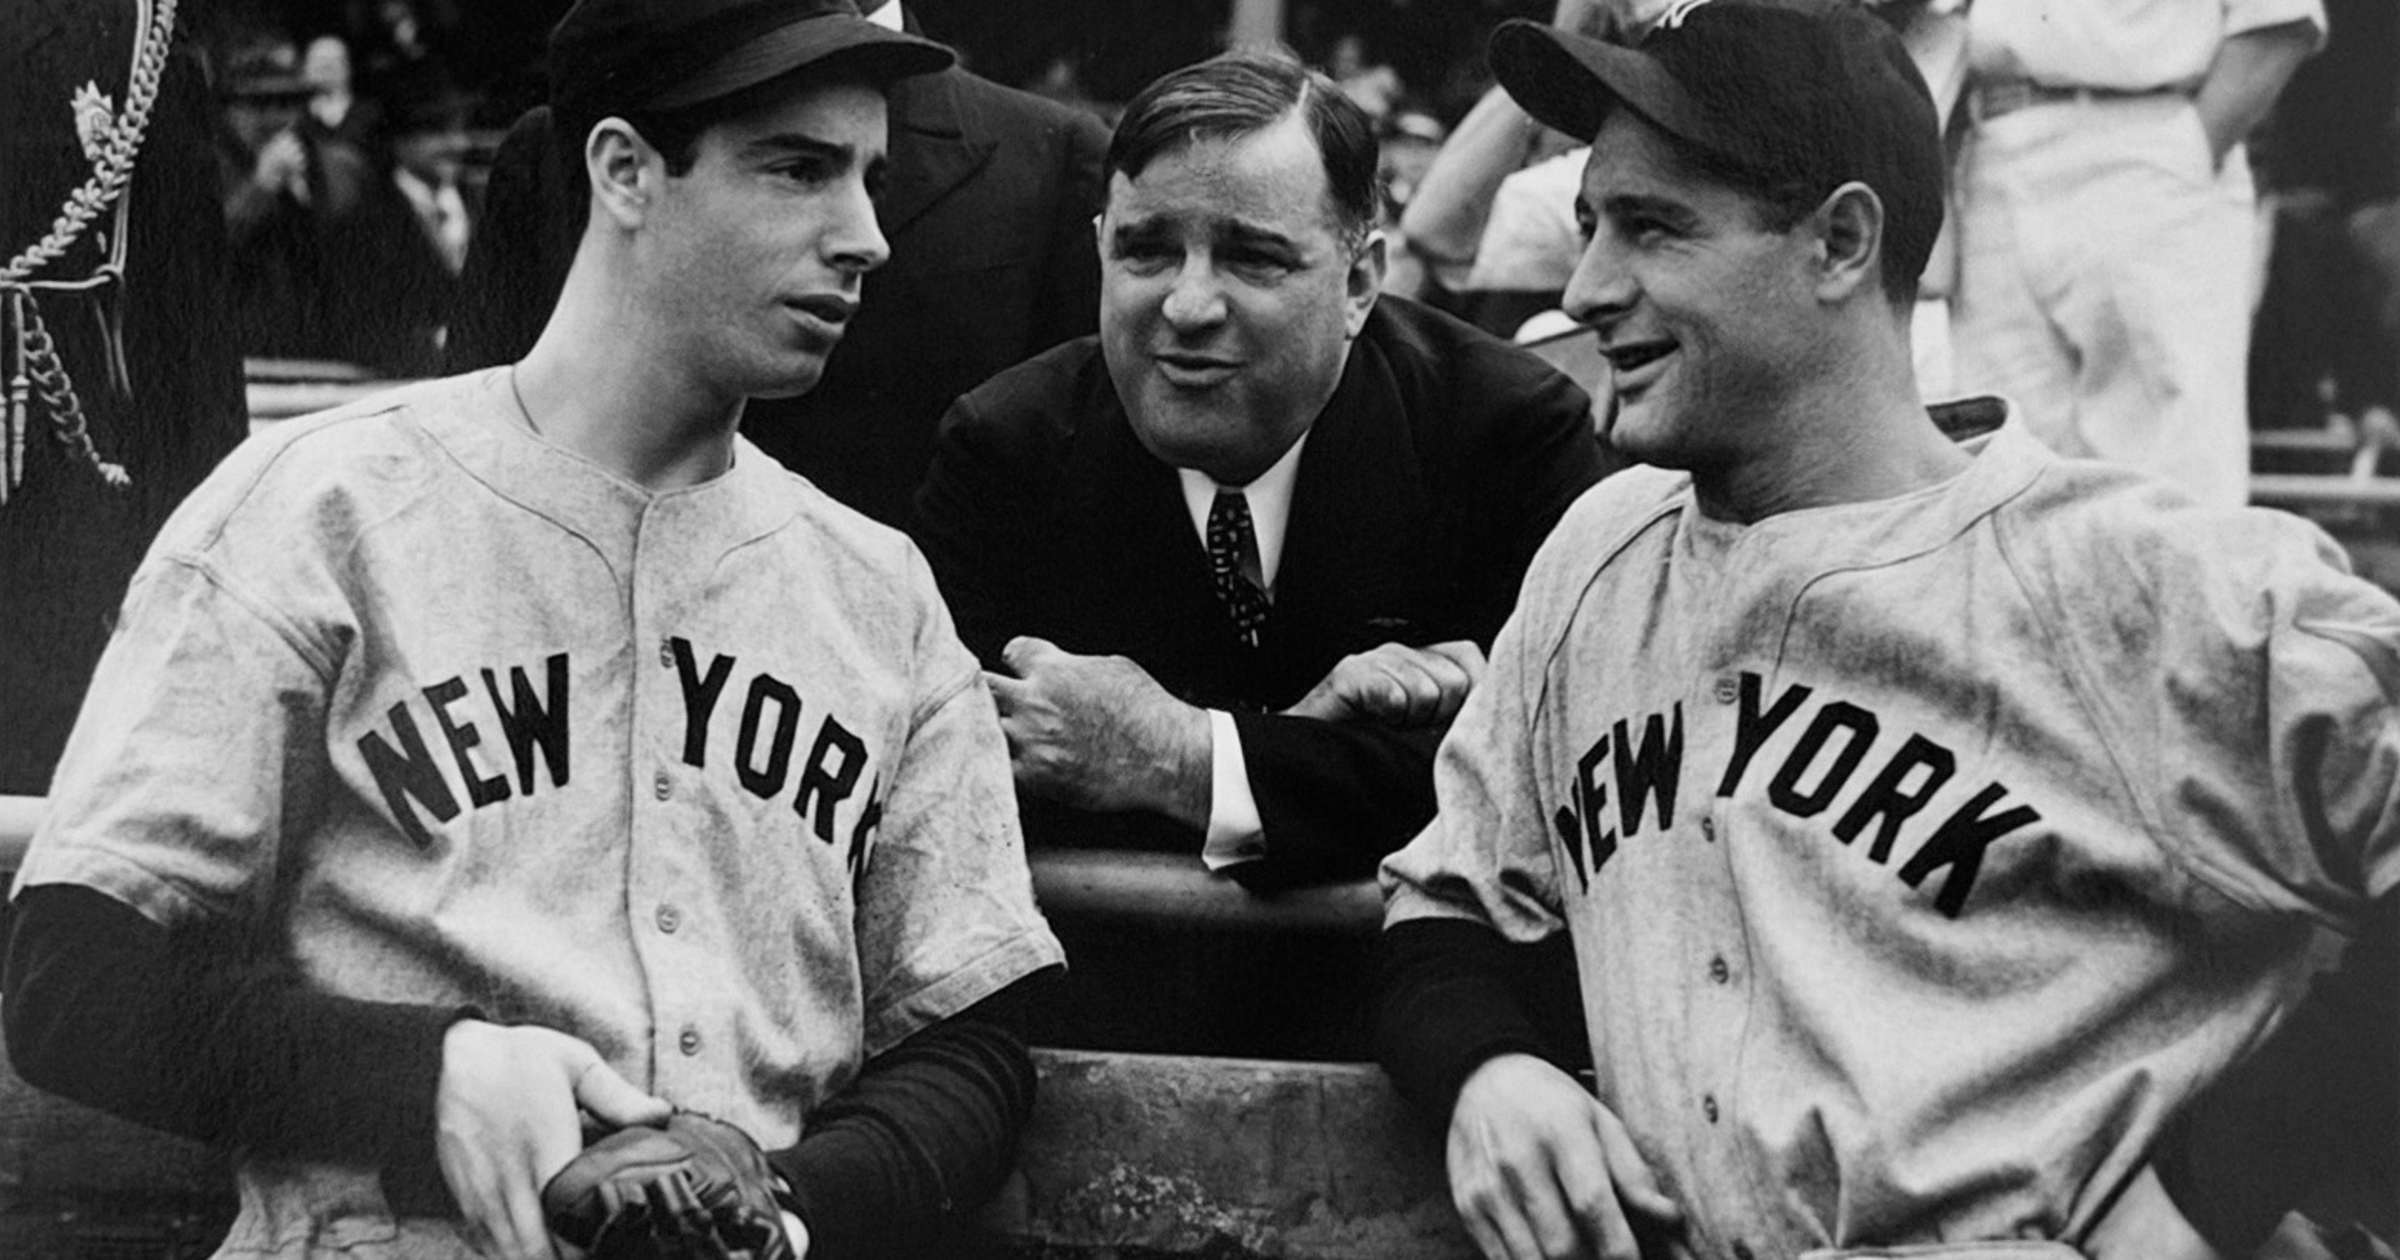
(1270, 499)
(888, 17)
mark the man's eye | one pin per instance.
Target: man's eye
(1138, 253)
(809, 171)
(1258, 263)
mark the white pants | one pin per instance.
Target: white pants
(2105, 285)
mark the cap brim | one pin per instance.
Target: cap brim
(1570, 81)
(856, 44)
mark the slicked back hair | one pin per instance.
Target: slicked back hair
(1250, 90)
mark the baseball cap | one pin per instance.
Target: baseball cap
(1806, 93)
(610, 56)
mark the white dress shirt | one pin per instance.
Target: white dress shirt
(1234, 831)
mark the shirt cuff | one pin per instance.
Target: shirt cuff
(1234, 833)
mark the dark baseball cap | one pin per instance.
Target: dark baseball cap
(626, 56)
(1792, 93)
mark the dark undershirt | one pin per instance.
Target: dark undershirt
(207, 1033)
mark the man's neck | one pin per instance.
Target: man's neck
(589, 385)
(1857, 437)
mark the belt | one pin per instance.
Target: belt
(1995, 97)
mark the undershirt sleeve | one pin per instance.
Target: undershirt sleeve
(1447, 999)
(901, 1159)
(200, 1032)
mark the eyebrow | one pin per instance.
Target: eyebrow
(1230, 231)
(1625, 205)
(797, 144)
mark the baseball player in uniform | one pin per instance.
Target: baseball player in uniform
(1932, 817)
(523, 751)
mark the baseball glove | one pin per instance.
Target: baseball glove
(696, 1189)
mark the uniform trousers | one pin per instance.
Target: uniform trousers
(2106, 284)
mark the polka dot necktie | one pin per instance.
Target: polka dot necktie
(1232, 562)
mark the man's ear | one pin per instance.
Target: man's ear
(1849, 230)
(623, 169)
(1364, 281)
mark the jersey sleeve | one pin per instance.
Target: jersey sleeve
(198, 748)
(1486, 857)
(2247, 683)
(945, 903)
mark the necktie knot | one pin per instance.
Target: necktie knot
(1233, 564)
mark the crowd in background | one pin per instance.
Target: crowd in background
(363, 133)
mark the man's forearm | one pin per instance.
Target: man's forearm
(2247, 76)
(919, 1141)
(1446, 1001)
(189, 1033)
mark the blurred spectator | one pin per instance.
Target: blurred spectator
(1410, 138)
(156, 375)
(328, 261)
(1466, 196)
(337, 114)
(2326, 346)
(2107, 222)
(401, 54)
(1375, 86)
(430, 144)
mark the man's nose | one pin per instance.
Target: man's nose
(1602, 287)
(853, 239)
(1196, 299)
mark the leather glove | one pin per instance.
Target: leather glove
(696, 1189)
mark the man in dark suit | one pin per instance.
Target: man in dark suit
(988, 208)
(1294, 514)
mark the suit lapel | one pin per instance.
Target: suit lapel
(1356, 549)
(931, 152)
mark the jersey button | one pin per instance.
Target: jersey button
(689, 1042)
(669, 919)
(662, 787)
(666, 653)
(1717, 970)
(1708, 1102)
(1728, 689)
(1708, 830)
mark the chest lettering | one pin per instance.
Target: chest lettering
(766, 739)
(1821, 767)
(532, 723)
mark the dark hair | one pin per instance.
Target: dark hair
(1244, 91)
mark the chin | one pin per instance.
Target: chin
(791, 384)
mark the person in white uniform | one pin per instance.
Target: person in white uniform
(2108, 230)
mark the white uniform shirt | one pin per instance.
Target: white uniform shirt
(702, 777)
(1921, 857)
(2123, 45)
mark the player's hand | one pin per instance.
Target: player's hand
(1098, 733)
(1396, 684)
(507, 1118)
(1540, 1170)
(2145, 1224)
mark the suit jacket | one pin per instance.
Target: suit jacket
(1443, 458)
(988, 210)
